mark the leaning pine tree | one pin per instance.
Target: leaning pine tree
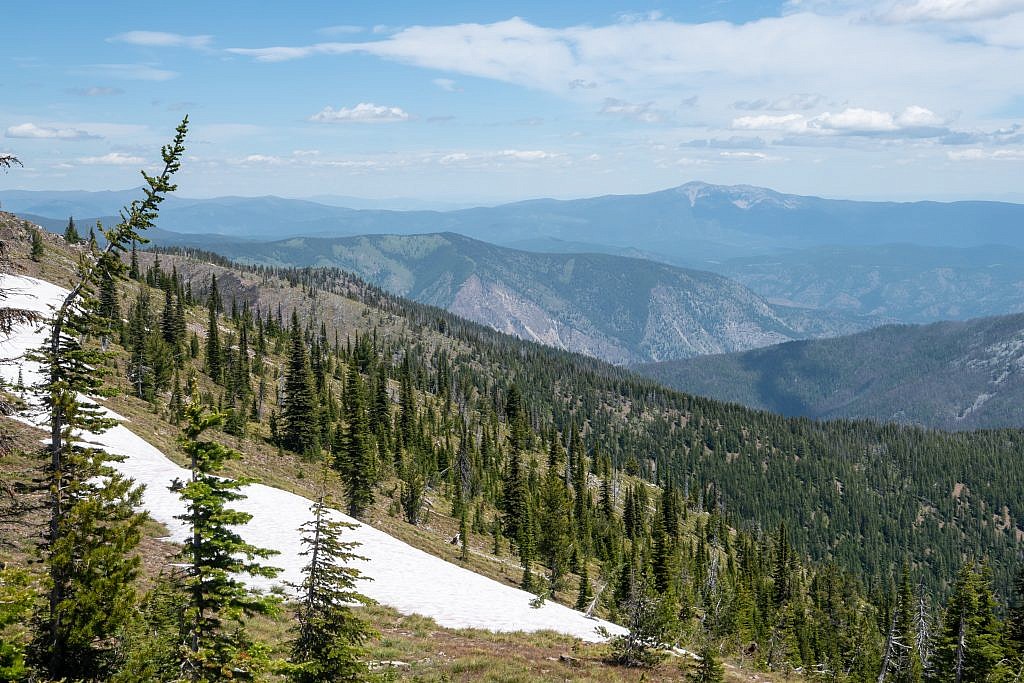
(216, 644)
(329, 635)
(93, 528)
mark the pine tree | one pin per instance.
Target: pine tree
(328, 635)
(585, 594)
(555, 530)
(901, 662)
(968, 647)
(463, 536)
(168, 325)
(300, 429)
(93, 527)
(109, 306)
(71, 235)
(1015, 618)
(133, 269)
(36, 251)
(355, 459)
(214, 555)
(214, 352)
(709, 669)
(515, 499)
(648, 621)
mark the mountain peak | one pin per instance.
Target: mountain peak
(742, 196)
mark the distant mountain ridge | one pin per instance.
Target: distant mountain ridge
(611, 307)
(905, 282)
(689, 224)
(949, 375)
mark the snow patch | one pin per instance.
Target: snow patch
(403, 577)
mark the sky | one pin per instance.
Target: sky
(471, 102)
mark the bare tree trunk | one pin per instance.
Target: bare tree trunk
(888, 647)
(961, 646)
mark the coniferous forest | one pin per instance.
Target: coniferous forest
(843, 550)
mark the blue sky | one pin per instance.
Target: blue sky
(484, 102)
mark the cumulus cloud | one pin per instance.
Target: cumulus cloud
(113, 159)
(913, 121)
(364, 112)
(647, 59)
(162, 39)
(31, 131)
(781, 122)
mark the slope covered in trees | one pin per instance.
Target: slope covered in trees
(949, 375)
(551, 460)
(612, 307)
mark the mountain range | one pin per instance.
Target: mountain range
(615, 308)
(949, 375)
(596, 279)
(905, 282)
(689, 224)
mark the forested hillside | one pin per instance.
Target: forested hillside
(615, 308)
(908, 283)
(949, 375)
(687, 520)
(828, 480)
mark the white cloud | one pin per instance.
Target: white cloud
(262, 159)
(855, 119)
(500, 157)
(644, 112)
(33, 132)
(819, 58)
(96, 91)
(446, 84)
(747, 156)
(913, 121)
(952, 10)
(131, 72)
(162, 39)
(364, 112)
(340, 30)
(975, 154)
(526, 154)
(113, 159)
(453, 158)
(791, 123)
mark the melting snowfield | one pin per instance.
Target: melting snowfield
(403, 577)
